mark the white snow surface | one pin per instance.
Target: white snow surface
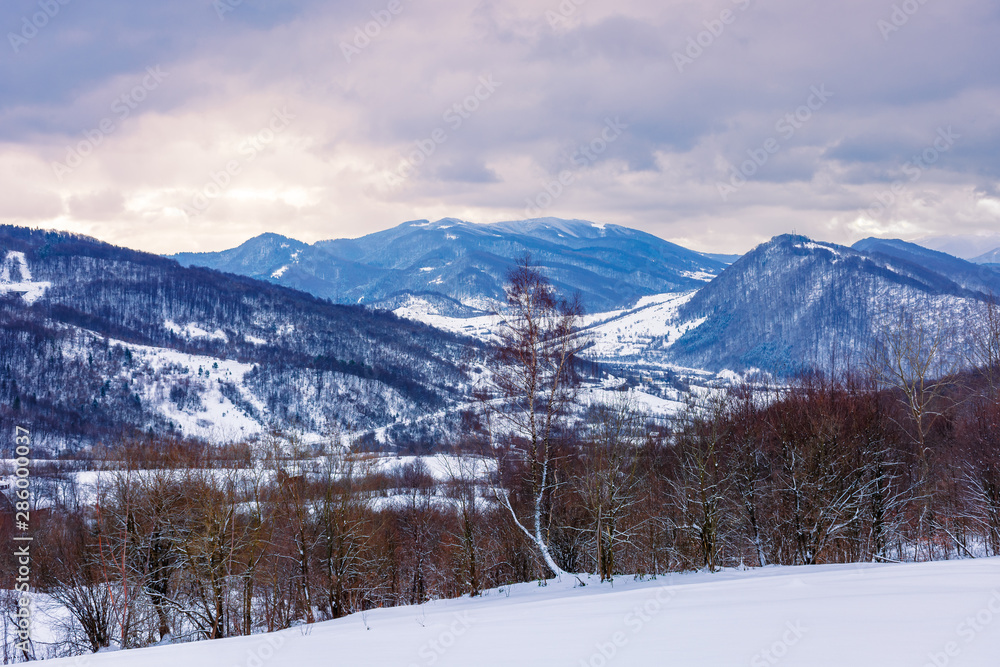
(812, 245)
(942, 613)
(29, 289)
(648, 403)
(442, 467)
(615, 334)
(195, 330)
(698, 275)
(654, 318)
(420, 310)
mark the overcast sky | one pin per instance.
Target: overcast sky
(194, 125)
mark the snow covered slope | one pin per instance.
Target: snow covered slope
(967, 274)
(943, 613)
(15, 277)
(653, 324)
(991, 257)
(790, 305)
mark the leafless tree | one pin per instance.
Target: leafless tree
(750, 468)
(984, 352)
(464, 473)
(15, 648)
(609, 480)
(345, 534)
(915, 359)
(532, 388)
(700, 482)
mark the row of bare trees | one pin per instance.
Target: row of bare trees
(141, 556)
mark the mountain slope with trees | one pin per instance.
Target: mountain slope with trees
(81, 357)
(794, 305)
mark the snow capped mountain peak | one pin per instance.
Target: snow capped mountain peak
(610, 266)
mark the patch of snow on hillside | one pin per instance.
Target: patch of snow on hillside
(420, 310)
(812, 245)
(590, 319)
(280, 272)
(156, 371)
(645, 402)
(482, 303)
(194, 330)
(29, 289)
(632, 333)
(654, 299)
(698, 275)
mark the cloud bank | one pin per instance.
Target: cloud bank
(195, 124)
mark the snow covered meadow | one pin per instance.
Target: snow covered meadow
(936, 614)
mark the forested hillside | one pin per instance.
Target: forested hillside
(794, 305)
(94, 353)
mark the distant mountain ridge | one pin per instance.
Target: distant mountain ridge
(964, 246)
(790, 305)
(991, 257)
(793, 304)
(610, 266)
(968, 274)
(99, 340)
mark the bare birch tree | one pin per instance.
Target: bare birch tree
(532, 387)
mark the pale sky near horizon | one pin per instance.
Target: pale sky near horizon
(195, 124)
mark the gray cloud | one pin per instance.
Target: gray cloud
(370, 83)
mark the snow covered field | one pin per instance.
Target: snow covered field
(615, 334)
(942, 613)
(628, 334)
